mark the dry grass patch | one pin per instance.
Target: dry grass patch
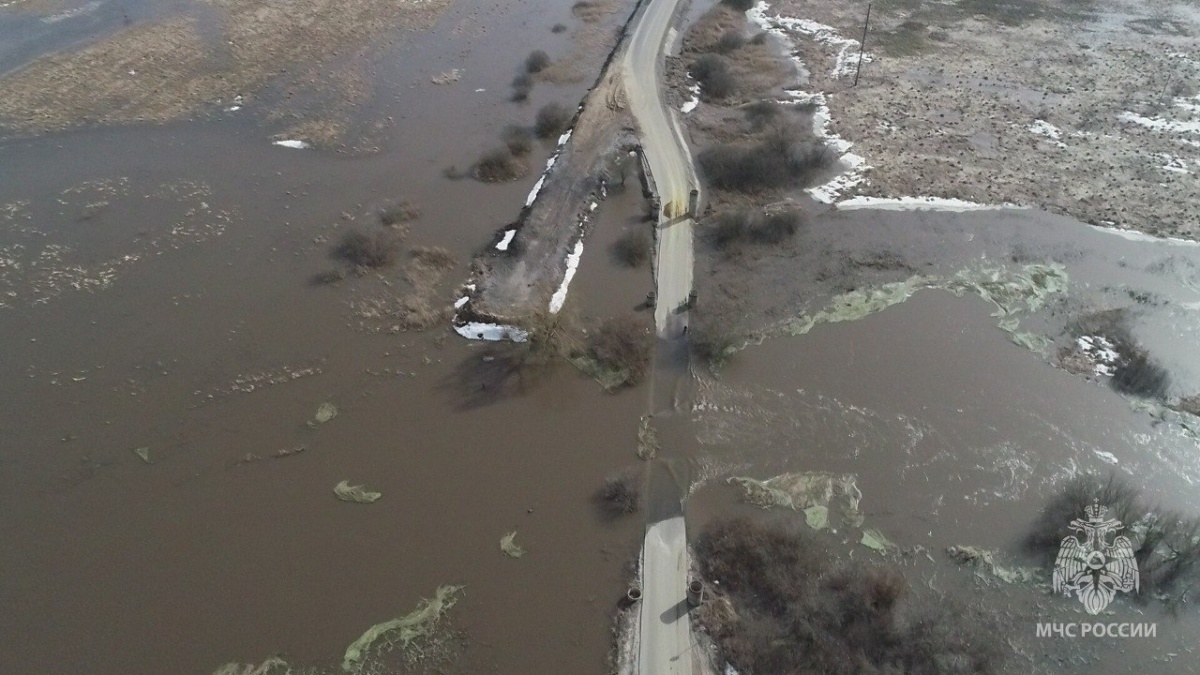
(551, 120)
(367, 251)
(500, 165)
(624, 345)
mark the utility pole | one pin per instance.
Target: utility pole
(862, 45)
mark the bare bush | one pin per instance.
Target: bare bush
(518, 140)
(537, 61)
(522, 85)
(624, 344)
(714, 75)
(759, 38)
(551, 120)
(1138, 375)
(777, 227)
(729, 41)
(729, 229)
(1166, 544)
(327, 278)
(762, 113)
(787, 156)
(399, 213)
(739, 5)
(499, 165)
(794, 610)
(633, 249)
(366, 250)
(559, 28)
(618, 496)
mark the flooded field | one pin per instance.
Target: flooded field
(188, 375)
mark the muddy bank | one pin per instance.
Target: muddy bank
(524, 269)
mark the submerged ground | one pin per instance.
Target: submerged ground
(168, 467)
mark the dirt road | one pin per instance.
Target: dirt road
(670, 164)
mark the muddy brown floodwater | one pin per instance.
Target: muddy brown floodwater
(156, 290)
(167, 507)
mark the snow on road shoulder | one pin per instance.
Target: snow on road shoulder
(560, 295)
(490, 331)
(502, 245)
(294, 144)
(919, 204)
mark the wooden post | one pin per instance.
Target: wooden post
(862, 45)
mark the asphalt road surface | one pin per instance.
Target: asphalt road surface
(670, 164)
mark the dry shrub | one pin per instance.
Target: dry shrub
(327, 278)
(1137, 374)
(739, 5)
(625, 344)
(518, 140)
(787, 156)
(618, 496)
(537, 61)
(633, 249)
(761, 113)
(795, 611)
(731, 40)
(715, 77)
(499, 165)
(399, 213)
(522, 85)
(559, 28)
(1166, 544)
(551, 120)
(728, 230)
(368, 251)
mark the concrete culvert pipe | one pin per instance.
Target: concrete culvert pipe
(633, 594)
(695, 593)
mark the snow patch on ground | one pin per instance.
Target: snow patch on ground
(1044, 128)
(847, 58)
(855, 166)
(918, 204)
(502, 245)
(297, 145)
(1162, 123)
(1100, 351)
(691, 105)
(560, 295)
(491, 332)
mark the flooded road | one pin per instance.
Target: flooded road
(157, 295)
(168, 507)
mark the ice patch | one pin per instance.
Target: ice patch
(297, 145)
(919, 204)
(560, 295)
(458, 304)
(490, 332)
(1133, 235)
(502, 245)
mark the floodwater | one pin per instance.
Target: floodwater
(156, 294)
(156, 290)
